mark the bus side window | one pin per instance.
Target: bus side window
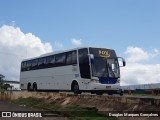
(71, 58)
(50, 61)
(23, 65)
(60, 59)
(28, 66)
(41, 63)
(34, 64)
(84, 63)
(74, 57)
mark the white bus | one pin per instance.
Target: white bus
(91, 69)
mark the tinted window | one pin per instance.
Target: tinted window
(99, 67)
(74, 57)
(41, 63)
(50, 61)
(60, 59)
(34, 64)
(71, 58)
(28, 65)
(23, 66)
(84, 63)
(113, 68)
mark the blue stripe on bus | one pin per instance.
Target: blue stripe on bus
(104, 80)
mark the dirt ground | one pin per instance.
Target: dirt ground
(103, 104)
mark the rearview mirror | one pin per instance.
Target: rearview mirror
(121, 61)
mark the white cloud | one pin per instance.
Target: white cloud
(136, 54)
(140, 73)
(15, 46)
(76, 42)
(13, 23)
(59, 45)
(155, 52)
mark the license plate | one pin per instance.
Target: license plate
(108, 86)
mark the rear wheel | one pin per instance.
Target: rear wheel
(29, 87)
(34, 86)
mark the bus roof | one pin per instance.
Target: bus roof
(61, 51)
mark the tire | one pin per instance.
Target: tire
(99, 93)
(29, 87)
(75, 88)
(92, 92)
(110, 93)
(121, 94)
(34, 86)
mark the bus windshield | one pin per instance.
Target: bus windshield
(104, 67)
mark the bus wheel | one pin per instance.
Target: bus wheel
(34, 86)
(99, 93)
(75, 88)
(121, 94)
(29, 87)
(110, 93)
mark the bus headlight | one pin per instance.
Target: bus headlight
(95, 80)
(118, 80)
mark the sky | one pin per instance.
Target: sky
(29, 28)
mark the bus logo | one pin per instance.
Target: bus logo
(104, 53)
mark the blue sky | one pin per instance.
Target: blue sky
(131, 27)
(106, 23)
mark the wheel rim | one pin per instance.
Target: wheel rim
(75, 88)
(35, 88)
(29, 87)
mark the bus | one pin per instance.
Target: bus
(83, 69)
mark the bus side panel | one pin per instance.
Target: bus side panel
(57, 78)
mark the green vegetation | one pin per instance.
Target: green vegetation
(73, 112)
(4, 87)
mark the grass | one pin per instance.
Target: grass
(72, 112)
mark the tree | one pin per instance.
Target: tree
(1, 78)
(3, 85)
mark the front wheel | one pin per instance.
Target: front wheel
(121, 94)
(75, 88)
(110, 93)
(99, 93)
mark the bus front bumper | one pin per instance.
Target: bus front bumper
(99, 86)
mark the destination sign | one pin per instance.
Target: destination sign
(102, 52)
